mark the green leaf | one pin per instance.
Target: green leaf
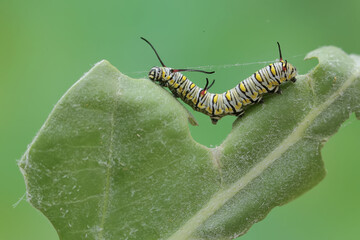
(115, 159)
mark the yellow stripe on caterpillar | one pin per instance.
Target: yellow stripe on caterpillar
(258, 77)
(254, 96)
(273, 69)
(228, 97)
(215, 98)
(218, 111)
(238, 106)
(242, 87)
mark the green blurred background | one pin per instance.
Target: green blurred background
(47, 45)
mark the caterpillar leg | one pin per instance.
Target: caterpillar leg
(260, 100)
(162, 84)
(240, 114)
(214, 119)
(278, 90)
(175, 94)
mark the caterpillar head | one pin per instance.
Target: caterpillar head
(152, 73)
(155, 74)
(163, 74)
(159, 74)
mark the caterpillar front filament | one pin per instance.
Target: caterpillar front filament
(231, 102)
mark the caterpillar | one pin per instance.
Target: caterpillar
(231, 102)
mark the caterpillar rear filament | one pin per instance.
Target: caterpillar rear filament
(231, 102)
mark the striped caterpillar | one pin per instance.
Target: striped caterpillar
(231, 102)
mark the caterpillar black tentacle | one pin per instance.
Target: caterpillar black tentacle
(231, 102)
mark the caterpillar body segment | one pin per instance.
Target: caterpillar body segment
(231, 102)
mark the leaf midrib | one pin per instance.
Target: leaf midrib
(224, 195)
(109, 165)
(107, 183)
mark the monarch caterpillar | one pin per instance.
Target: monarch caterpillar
(231, 102)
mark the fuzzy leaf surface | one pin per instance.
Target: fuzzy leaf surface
(115, 158)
